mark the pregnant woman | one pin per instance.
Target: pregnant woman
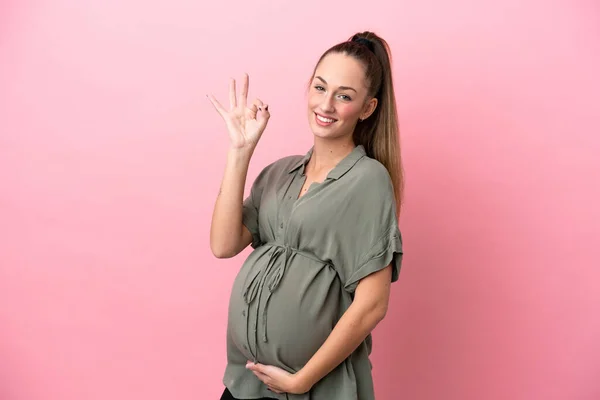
(324, 232)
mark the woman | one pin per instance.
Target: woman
(324, 230)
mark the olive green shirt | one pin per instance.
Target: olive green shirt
(309, 255)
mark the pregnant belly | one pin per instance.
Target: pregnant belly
(293, 320)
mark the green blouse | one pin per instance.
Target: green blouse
(309, 255)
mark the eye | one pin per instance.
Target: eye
(345, 97)
(319, 88)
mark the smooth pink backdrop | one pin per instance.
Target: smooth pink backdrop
(111, 158)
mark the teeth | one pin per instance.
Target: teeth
(326, 120)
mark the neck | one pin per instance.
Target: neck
(328, 153)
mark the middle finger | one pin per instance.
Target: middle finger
(244, 94)
(232, 94)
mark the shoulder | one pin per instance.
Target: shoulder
(276, 170)
(373, 197)
(371, 176)
(369, 189)
(288, 162)
(284, 164)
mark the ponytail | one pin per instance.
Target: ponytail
(378, 134)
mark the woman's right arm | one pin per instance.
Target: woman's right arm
(228, 236)
(245, 125)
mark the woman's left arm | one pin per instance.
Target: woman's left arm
(366, 311)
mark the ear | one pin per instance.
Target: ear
(369, 108)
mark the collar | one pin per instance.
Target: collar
(340, 169)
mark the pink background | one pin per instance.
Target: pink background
(111, 157)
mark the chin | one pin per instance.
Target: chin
(323, 134)
(327, 133)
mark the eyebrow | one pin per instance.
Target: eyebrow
(341, 87)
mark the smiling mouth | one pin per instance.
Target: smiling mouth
(325, 120)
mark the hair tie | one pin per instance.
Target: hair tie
(365, 42)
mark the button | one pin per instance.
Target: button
(281, 226)
(244, 313)
(245, 347)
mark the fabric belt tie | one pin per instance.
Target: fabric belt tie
(271, 275)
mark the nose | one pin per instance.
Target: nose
(327, 104)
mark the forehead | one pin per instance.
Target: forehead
(339, 69)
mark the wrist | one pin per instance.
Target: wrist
(243, 154)
(303, 381)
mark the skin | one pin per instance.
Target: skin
(338, 91)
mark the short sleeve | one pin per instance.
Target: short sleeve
(250, 219)
(380, 240)
(386, 250)
(251, 208)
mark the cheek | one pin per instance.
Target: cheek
(349, 111)
(313, 100)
